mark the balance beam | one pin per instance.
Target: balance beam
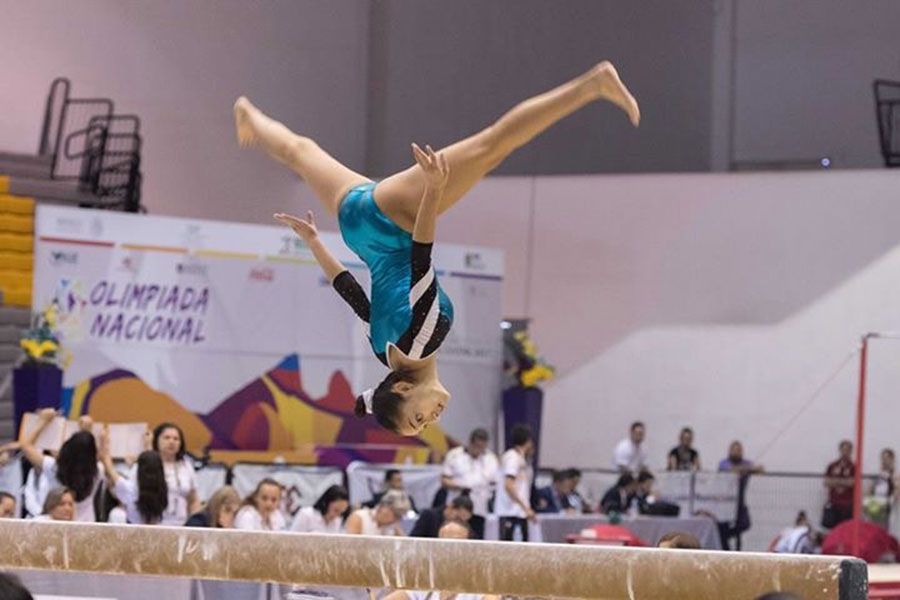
(507, 568)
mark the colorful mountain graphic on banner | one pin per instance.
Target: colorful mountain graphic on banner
(270, 416)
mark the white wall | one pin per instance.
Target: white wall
(179, 66)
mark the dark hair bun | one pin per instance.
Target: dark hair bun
(360, 409)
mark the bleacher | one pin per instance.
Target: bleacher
(87, 156)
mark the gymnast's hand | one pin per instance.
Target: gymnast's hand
(434, 166)
(306, 229)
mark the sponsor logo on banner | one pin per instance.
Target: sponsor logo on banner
(58, 257)
(475, 261)
(262, 274)
(129, 264)
(291, 245)
(191, 269)
(97, 227)
(69, 225)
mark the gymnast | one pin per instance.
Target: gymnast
(390, 226)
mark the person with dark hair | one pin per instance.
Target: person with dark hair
(326, 515)
(575, 499)
(76, 467)
(220, 511)
(391, 227)
(58, 506)
(618, 499)
(743, 468)
(684, 457)
(839, 479)
(778, 596)
(472, 469)
(882, 493)
(514, 480)
(382, 519)
(145, 495)
(181, 479)
(393, 480)
(431, 519)
(261, 510)
(629, 455)
(7, 506)
(679, 540)
(799, 539)
(555, 497)
(12, 589)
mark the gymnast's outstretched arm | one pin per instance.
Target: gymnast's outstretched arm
(437, 172)
(339, 277)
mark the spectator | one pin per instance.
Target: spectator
(514, 485)
(261, 510)
(883, 491)
(629, 456)
(735, 463)
(58, 506)
(799, 539)
(431, 519)
(381, 520)
(145, 494)
(393, 480)
(683, 457)
(168, 441)
(12, 589)
(455, 530)
(839, 481)
(576, 500)
(7, 506)
(679, 540)
(326, 515)
(619, 497)
(220, 511)
(76, 467)
(555, 497)
(473, 468)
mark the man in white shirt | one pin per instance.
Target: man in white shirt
(629, 456)
(472, 469)
(514, 485)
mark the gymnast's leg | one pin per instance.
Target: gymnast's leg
(328, 178)
(472, 158)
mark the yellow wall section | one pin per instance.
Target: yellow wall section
(130, 400)
(303, 422)
(78, 395)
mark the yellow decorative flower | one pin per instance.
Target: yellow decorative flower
(38, 350)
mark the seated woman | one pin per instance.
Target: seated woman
(381, 520)
(58, 506)
(326, 515)
(220, 511)
(144, 496)
(261, 510)
(618, 499)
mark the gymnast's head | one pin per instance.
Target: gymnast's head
(404, 403)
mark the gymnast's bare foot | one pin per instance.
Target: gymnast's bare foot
(610, 87)
(243, 110)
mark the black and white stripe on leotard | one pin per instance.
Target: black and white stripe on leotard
(428, 326)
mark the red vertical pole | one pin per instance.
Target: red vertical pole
(860, 420)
